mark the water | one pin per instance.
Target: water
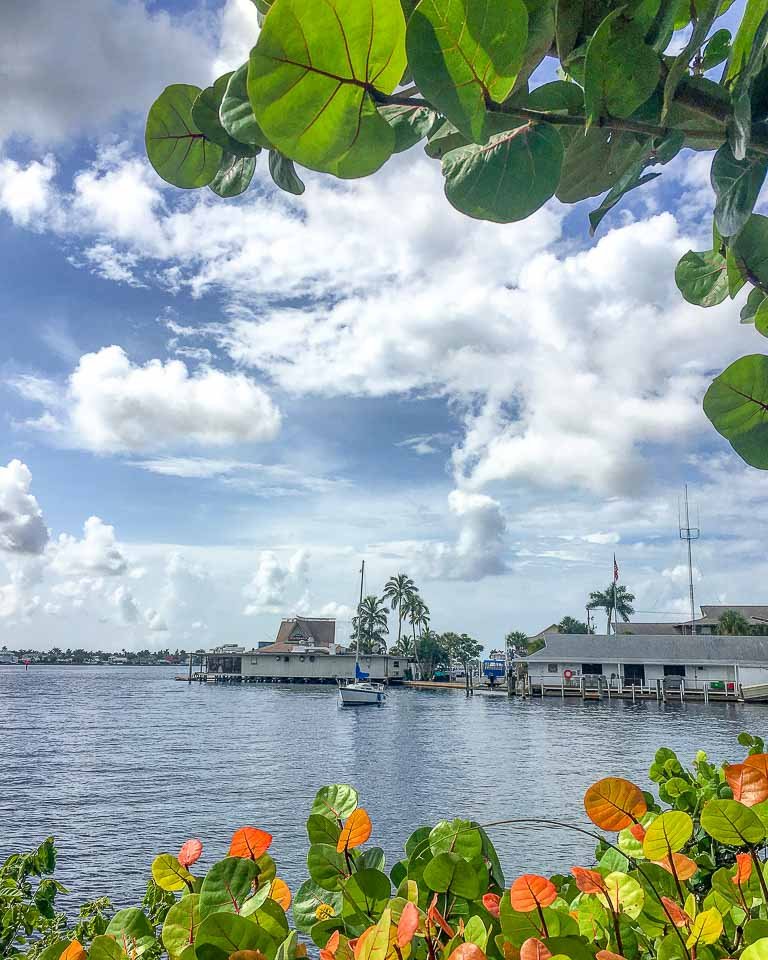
(122, 763)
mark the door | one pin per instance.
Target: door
(634, 674)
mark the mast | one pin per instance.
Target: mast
(359, 620)
(689, 533)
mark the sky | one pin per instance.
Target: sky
(213, 410)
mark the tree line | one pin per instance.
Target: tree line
(430, 650)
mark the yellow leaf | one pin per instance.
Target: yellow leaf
(707, 928)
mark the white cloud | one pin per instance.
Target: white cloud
(601, 538)
(154, 621)
(260, 479)
(113, 405)
(26, 191)
(127, 608)
(22, 528)
(267, 589)
(97, 555)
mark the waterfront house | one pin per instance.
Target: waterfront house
(684, 661)
(707, 624)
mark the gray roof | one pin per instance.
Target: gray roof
(755, 611)
(651, 629)
(624, 648)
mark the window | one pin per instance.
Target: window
(312, 658)
(634, 673)
(595, 669)
(551, 668)
(287, 659)
(396, 663)
(674, 670)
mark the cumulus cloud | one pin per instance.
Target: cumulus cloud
(113, 405)
(97, 554)
(26, 191)
(267, 590)
(127, 608)
(22, 528)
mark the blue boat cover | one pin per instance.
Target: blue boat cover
(359, 675)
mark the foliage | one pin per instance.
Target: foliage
(518, 644)
(733, 624)
(461, 647)
(615, 599)
(571, 625)
(370, 626)
(323, 88)
(433, 654)
(398, 590)
(678, 878)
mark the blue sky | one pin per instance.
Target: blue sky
(212, 411)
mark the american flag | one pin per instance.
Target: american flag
(615, 570)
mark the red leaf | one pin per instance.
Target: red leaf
(638, 832)
(588, 881)
(434, 915)
(491, 902)
(190, 853)
(759, 761)
(678, 916)
(329, 952)
(607, 955)
(749, 783)
(531, 891)
(684, 866)
(743, 868)
(409, 922)
(467, 951)
(249, 843)
(533, 949)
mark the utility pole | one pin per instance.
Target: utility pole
(688, 533)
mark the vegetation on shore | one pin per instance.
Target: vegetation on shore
(683, 877)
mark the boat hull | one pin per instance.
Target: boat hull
(756, 693)
(357, 696)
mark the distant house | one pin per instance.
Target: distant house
(756, 615)
(304, 634)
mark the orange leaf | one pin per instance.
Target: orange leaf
(467, 951)
(748, 782)
(613, 803)
(510, 951)
(588, 881)
(684, 866)
(361, 940)
(75, 951)
(533, 949)
(491, 902)
(531, 891)
(356, 831)
(247, 955)
(638, 832)
(329, 952)
(607, 955)
(409, 922)
(759, 761)
(190, 853)
(743, 868)
(678, 916)
(250, 843)
(280, 892)
(434, 915)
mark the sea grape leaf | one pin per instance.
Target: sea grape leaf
(702, 277)
(737, 185)
(592, 163)
(180, 925)
(105, 947)
(449, 872)
(326, 866)
(236, 112)
(336, 801)
(735, 272)
(177, 149)
(206, 115)
(444, 138)
(558, 96)
(366, 893)
(169, 874)
(131, 922)
(371, 859)
(750, 247)
(322, 829)
(541, 33)
(620, 71)
(312, 903)
(737, 405)
(272, 920)
(464, 52)
(743, 42)
(221, 934)
(631, 178)
(234, 175)
(311, 75)
(227, 885)
(717, 49)
(509, 177)
(679, 68)
(410, 124)
(761, 317)
(749, 310)
(667, 834)
(456, 836)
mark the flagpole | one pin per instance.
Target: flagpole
(615, 601)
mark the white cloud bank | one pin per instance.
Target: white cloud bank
(22, 528)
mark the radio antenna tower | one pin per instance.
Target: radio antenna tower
(688, 533)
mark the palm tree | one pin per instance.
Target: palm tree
(398, 590)
(418, 616)
(370, 626)
(572, 625)
(614, 597)
(733, 624)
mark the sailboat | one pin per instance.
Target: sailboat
(360, 690)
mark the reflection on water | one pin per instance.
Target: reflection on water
(121, 763)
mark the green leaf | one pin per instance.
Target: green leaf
(176, 148)
(737, 405)
(737, 185)
(234, 176)
(205, 114)
(284, 174)
(456, 836)
(443, 139)
(227, 885)
(311, 898)
(576, 20)
(321, 829)
(236, 112)
(336, 801)
(631, 178)
(756, 929)
(169, 874)
(366, 893)
(702, 278)
(667, 834)
(750, 308)
(449, 872)
(106, 947)
(311, 76)
(410, 124)
(270, 917)
(621, 71)
(181, 923)
(717, 49)
(756, 951)
(221, 934)
(559, 96)
(593, 163)
(326, 866)
(508, 178)
(518, 927)
(743, 42)
(734, 272)
(131, 922)
(464, 52)
(679, 67)
(371, 859)
(751, 247)
(732, 404)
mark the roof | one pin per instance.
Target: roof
(625, 648)
(652, 629)
(755, 611)
(303, 632)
